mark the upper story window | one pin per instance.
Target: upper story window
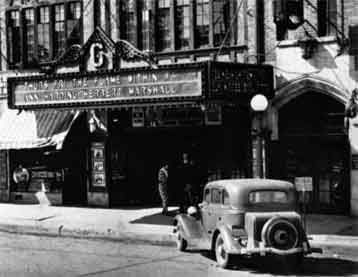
(221, 16)
(29, 26)
(176, 24)
(202, 23)
(45, 32)
(163, 25)
(73, 30)
(129, 21)
(59, 40)
(326, 17)
(182, 24)
(13, 36)
(146, 25)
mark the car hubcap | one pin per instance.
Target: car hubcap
(221, 253)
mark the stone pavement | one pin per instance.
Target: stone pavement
(141, 224)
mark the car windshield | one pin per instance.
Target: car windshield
(268, 196)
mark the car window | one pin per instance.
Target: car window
(268, 196)
(207, 197)
(216, 196)
(226, 197)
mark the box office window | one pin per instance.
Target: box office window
(42, 33)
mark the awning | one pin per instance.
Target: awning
(33, 129)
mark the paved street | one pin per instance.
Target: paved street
(23, 255)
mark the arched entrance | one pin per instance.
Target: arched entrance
(313, 145)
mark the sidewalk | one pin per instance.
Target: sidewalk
(141, 224)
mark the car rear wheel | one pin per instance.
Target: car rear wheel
(223, 258)
(181, 243)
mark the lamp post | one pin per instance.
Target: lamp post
(259, 105)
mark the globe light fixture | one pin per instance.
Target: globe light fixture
(259, 103)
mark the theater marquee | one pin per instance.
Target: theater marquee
(198, 82)
(104, 88)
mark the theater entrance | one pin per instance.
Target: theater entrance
(218, 150)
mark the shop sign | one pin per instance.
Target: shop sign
(89, 89)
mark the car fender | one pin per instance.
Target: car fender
(188, 226)
(230, 244)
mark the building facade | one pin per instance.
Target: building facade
(312, 45)
(304, 135)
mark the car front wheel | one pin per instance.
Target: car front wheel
(223, 258)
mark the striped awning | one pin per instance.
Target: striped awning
(33, 129)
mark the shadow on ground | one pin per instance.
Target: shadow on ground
(156, 219)
(312, 266)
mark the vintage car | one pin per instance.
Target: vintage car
(245, 217)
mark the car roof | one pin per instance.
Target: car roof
(235, 186)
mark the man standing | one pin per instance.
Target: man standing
(163, 187)
(186, 176)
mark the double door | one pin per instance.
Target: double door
(323, 165)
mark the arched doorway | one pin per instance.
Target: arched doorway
(313, 144)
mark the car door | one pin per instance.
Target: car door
(209, 213)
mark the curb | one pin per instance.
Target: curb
(334, 240)
(148, 237)
(125, 237)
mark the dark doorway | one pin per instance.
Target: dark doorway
(136, 154)
(74, 159)
(313, 144)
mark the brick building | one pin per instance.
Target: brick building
(303, 136)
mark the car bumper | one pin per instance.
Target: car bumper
(263, 250)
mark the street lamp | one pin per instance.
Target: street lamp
(259, 105)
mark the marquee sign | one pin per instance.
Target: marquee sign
(202, 81)
(105, 88)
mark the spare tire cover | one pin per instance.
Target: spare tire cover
(279, 233)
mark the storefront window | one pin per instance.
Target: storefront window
(182, 23)
(163, 23)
